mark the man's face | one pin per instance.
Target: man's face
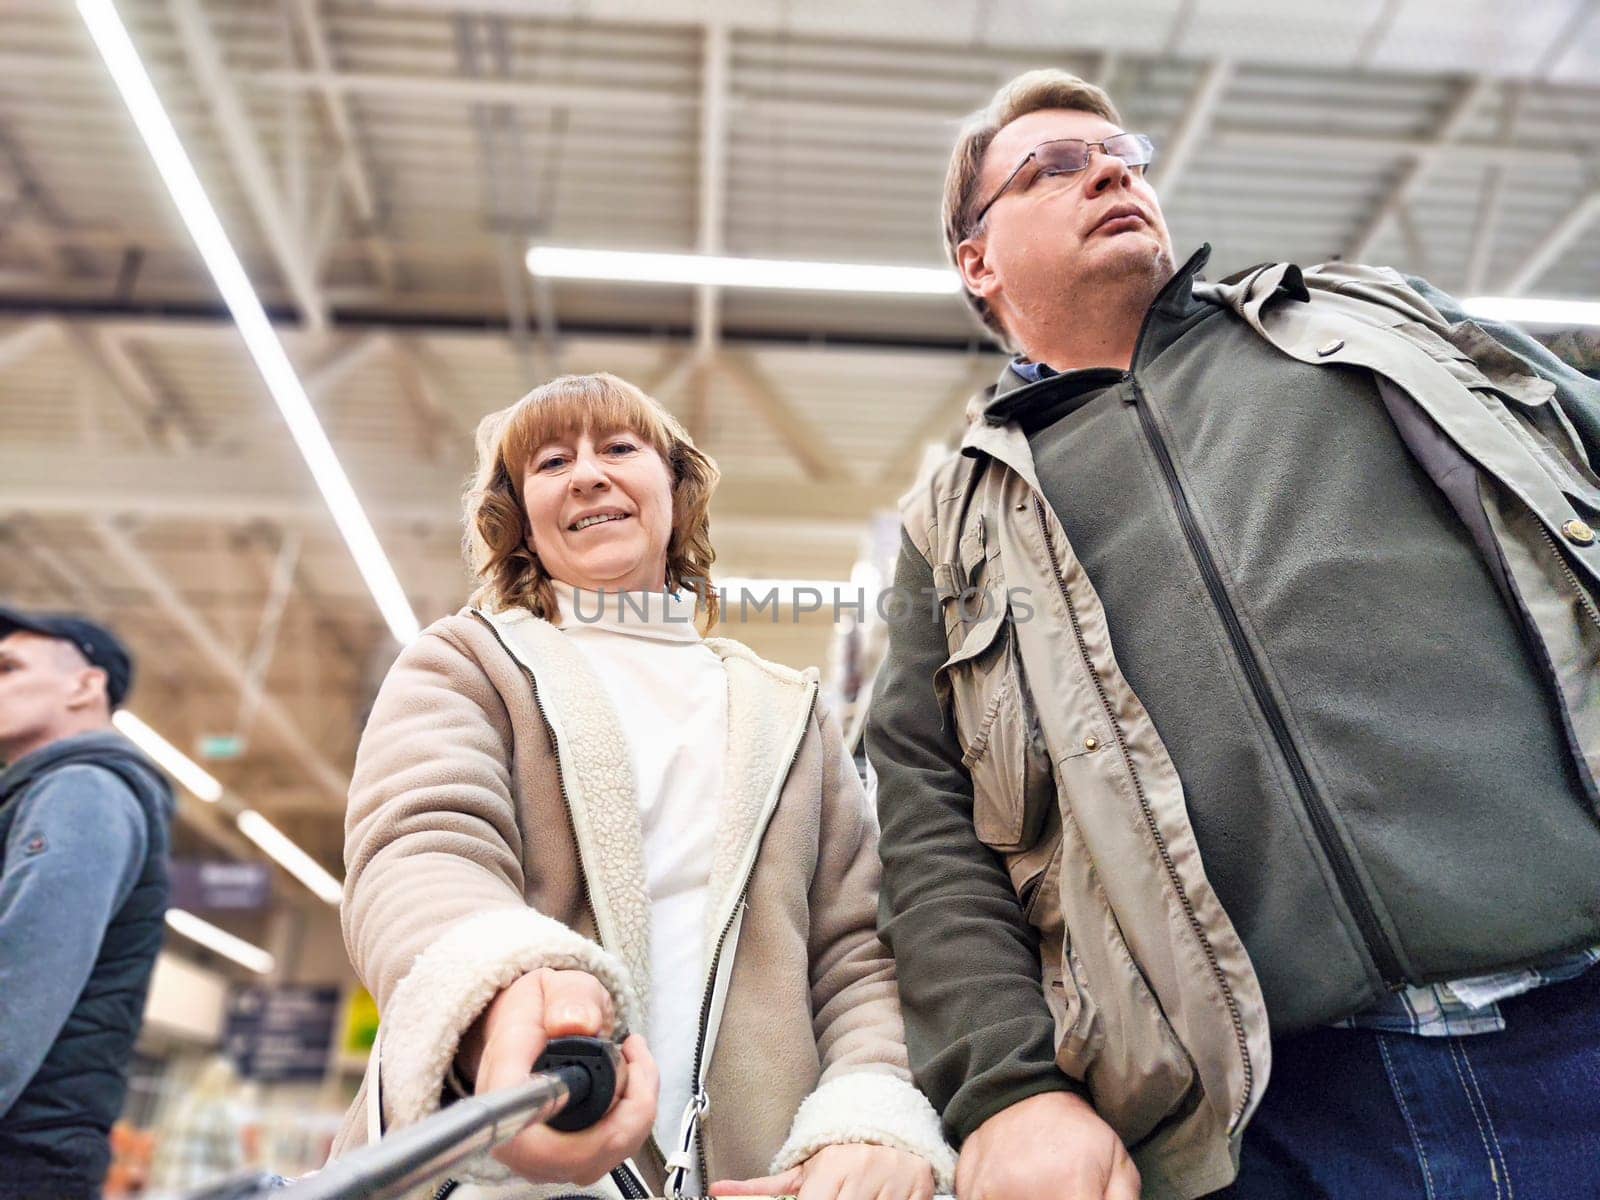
(1054, 240)
(43, 681)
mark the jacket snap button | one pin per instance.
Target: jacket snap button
(1580, 532)
(1089, 743)
(1021, 504)
(1332, 347)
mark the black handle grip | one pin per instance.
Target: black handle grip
(594, 1071)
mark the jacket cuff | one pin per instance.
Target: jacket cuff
(871, 1107)
(449, 986)
(997, 1098)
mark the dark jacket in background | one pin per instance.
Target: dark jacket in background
(84, 829)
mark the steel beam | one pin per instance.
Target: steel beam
(476, 91)
(252, 486)
(424, 399)
(1416, 172)
(271, 713)
(799, 436)
(714, 71)
(160, 415)
(352, 163)
(1572, 225)
(1490, 201)
(943, 418)
(249, 161)
(25, 339)
(1192, 127)
(933, 123)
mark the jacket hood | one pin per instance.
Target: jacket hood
(105, 748)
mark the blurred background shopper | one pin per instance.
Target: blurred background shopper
(84, 820)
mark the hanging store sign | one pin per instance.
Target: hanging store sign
(282, 1034)
(198, 886)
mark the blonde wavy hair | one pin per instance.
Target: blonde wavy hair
(497, 541)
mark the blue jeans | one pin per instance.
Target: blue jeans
(1513, 1115)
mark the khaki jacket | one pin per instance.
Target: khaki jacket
(493, 829)
(1156, 1005)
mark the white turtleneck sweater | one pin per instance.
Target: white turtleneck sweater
(670, 691)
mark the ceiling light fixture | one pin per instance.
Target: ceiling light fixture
(272, 841)
(276, 844)
(127, 71)
(221, 941)
(1531, 310)
(172, 760)
(711, 270)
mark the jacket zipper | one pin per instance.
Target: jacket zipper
(627, 1184)
(1577, 589)
(1355, 896)
(705, 1021)
(1241, 1042)
(716, 957)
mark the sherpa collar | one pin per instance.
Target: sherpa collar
(769, 708)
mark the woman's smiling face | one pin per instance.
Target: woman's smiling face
(600, 511)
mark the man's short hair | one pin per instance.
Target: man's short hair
(1029, 92)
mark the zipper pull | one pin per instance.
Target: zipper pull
(677, 1171)
(681, 1161)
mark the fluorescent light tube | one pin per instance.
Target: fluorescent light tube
(122, 60)
(172, 760)
(272, 841)
(224, 943)
(277, 846)
(627, 266)
(1531, 310)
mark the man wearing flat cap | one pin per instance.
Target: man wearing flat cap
(84, 820)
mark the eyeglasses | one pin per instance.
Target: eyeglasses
(1064, 156)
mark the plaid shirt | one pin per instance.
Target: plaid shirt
(201, 1146)
(1465, 1006)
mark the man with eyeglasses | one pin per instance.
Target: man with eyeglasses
(1253, 724)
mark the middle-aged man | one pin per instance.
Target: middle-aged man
(1256, 715)
(84, 819)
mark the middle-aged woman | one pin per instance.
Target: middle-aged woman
(572, 813)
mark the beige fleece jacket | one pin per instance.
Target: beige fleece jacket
(493, 830)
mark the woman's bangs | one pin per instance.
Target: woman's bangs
(579, 404)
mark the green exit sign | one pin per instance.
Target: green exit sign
(217, 746)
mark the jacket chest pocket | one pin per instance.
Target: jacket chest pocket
(1002, 745)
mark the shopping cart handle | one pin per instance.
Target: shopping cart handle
(603, 1069)
(573, 1088)
(247, 1186)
